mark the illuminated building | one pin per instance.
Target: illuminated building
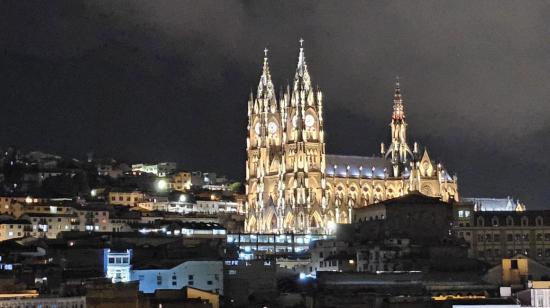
(160, 169)
(117, 264)
(495, 204)
(331, 255)
(181, 181)
(204, 275)
(539, 292)
(126, 198)
(14, 228)
(516, 271)
(292, 185)
(493, 235)
(251, 244)
(49, 225)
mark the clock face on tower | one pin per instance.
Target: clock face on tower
(257, 128)
(309, 120)
(272, 127)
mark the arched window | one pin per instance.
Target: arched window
(389, 193)
(524, 221)
(494, 221)
(509, 221)
(538, 221)
(273, 222)
(313, 222)
(480, 222)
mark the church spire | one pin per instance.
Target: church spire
(398, 111)
(399, 150)
(265, 87)
(301, 78)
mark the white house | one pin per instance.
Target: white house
(204, 275)
(118, 264)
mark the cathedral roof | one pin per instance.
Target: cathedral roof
(364, 166)
(493, 204)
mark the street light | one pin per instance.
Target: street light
(162, 184)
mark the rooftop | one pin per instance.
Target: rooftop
(364, 166)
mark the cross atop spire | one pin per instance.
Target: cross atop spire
(302, 75)
(265, 87)
(301, 58)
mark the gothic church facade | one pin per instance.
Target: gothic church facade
(292, 185)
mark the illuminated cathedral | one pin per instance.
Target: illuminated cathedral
(292, 185)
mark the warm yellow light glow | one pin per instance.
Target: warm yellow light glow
(162, 184)
(331, 226)
(24, 294)
(451, 297)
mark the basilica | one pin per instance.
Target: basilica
(293, 185)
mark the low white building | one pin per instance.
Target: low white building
(187, 206)
(216, 206)
(204, 275)
(496, 204)
(117, 264)
(14, 228)
(159, 169)
(537, 295)
(381, 257)
(325, 255)
(50, 225)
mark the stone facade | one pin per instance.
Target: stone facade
(493, 236)
(292, 185)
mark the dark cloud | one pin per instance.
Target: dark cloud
(168, 80)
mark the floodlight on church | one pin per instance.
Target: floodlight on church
(331, 226)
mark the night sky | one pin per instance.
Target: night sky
(169, 80)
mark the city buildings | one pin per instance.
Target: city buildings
(496, 204)
(204, 275)
(181, 181)
(126, 197)
(14, 228)
(158, 169)
(118, 264)
(493, 236)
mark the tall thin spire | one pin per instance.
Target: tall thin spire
(301, 60)
(302, 79)
(399, 149)
(265, 87)
(398, 111)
